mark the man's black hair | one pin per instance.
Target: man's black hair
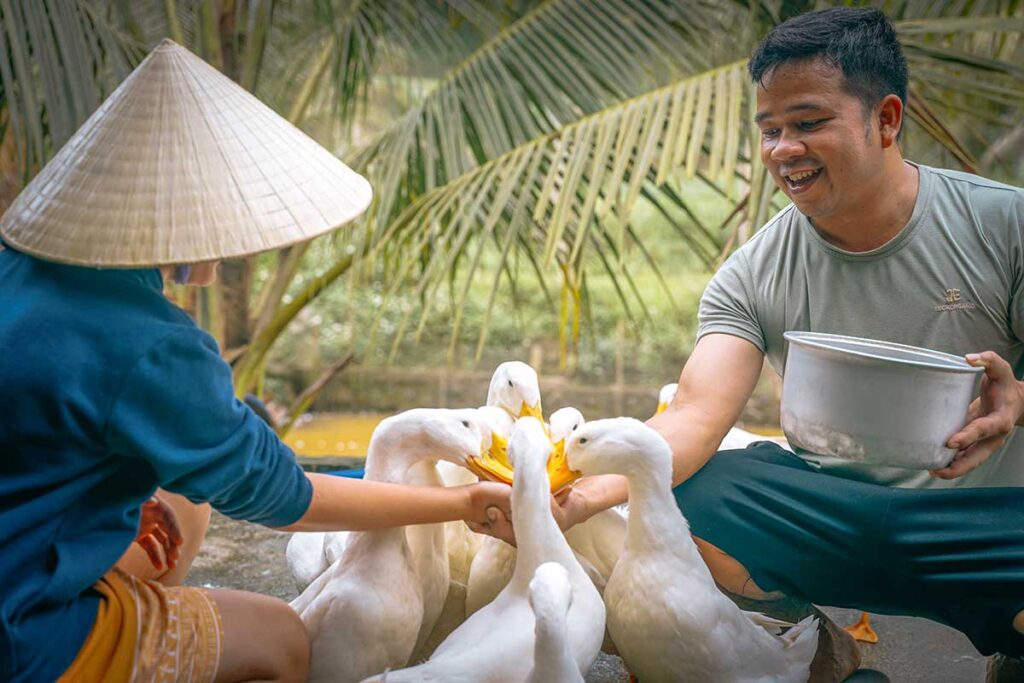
(860, 42)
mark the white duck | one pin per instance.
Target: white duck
(368, 610)
(665, 396)
(496, 644)
(597, 542)
(514, 391)
(551, 598)
(665, 614)
(305, 557)
(462, 544)
(600, 538)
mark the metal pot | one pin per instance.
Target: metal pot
(874, 401)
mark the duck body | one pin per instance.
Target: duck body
(489, 573)
(369, 610)
(667, 617)
(496, 644)
(305, 557)
(359, 624)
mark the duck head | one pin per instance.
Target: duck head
(497, 464)
(665, 396)
(530, 436)
(615, 446)
(515, 388)
(453, 435)
(564, 422)
(492, 463)
(550, 592)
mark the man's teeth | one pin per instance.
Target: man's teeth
(796, 177)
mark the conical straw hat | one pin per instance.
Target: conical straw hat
(181, 165)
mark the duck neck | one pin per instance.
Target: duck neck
(390, 457)
(551, 648)
(531, 509)
(655, 521)
(424, 539)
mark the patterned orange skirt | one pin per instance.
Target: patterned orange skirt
(145, 631)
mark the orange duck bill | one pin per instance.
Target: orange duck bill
(493, 465)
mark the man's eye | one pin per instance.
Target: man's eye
(810, 125)
(770, 133)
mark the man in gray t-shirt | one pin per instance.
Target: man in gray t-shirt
(873, 246)
(949, 280)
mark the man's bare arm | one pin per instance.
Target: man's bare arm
(713, 388)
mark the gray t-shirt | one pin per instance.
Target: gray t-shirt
(951, 280)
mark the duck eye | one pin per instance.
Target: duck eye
(465, 423)
(510, 383)
(574, 427)
(583, 440)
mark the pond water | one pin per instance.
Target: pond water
(348, 434)
(333, 434)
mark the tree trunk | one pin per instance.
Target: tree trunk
(235, 287)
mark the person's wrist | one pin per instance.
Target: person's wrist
(467, 501)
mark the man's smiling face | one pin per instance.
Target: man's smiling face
(817, 139)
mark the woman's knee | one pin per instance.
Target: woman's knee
(264, 639)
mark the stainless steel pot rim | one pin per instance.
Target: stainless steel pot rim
(932, 360)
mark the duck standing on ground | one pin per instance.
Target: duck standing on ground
(666, 615)
(496, 644)
(366, 612)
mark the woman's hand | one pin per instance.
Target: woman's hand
(490, 510)
(159, 534)
(991, 418)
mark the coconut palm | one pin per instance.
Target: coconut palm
(547, 123)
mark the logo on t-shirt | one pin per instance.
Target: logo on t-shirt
(952, 302)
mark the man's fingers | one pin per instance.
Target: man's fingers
(995, 425)
(995, 366)
(966, 461)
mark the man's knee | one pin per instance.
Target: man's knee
(730, 574)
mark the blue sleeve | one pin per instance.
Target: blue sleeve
(177, 410)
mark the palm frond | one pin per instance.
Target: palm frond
(58, 60)
(563, 60)
(572, 189)
(358, 36)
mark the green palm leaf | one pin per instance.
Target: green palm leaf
(564, 59)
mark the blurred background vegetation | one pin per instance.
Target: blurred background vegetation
(554, 181)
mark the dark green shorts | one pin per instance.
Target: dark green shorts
(953, 555)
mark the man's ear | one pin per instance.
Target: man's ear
(889, 119)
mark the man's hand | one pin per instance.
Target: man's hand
(570, 507)
(991, 417)
(159, 534)
(491, 510)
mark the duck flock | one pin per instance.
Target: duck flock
(437, 602)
